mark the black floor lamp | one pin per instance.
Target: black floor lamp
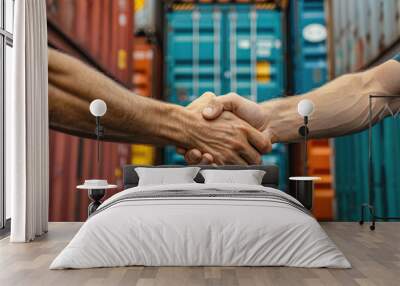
(97, 188)
(302, 188)
(370, 205)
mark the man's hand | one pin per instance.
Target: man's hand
(238, 143)
(212, 107)
(73, 85)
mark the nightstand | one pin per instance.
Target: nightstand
(302, 189)
(96, 191)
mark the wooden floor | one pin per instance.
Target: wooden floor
(375, 257)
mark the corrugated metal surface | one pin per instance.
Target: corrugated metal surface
(223, 48)
(102, 29)
(310, 68)
(188, 4)
(309, 37)
(145, 58)
(72, 160)
(145, 79)
(351, 171)
(361, 30)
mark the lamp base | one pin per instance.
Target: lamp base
(302, 189)
(95, 196)
(303, 131)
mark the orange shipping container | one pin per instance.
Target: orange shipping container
(146, 62)
(146, 68)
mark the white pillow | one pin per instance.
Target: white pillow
(248, 177)
(166, 176)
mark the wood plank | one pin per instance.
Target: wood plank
(375, 257)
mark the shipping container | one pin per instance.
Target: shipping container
(144, 155)
(361, 30)
(146, 80)
(72, 160)
(188, 4)
(309, 57)
(145, 17)
(351, 171)
(309, 44)
(102, 29)
(146, 64)
(225, 48)
(99, 32)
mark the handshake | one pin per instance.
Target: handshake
(221, 130)
(229, 129)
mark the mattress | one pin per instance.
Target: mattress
(201, 225)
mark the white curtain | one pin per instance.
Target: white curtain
(27, 124)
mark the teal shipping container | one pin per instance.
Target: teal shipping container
(308, 45)
(225, 48)
(309, 58)
(361, 31)
(351, 167)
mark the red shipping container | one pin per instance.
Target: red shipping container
(64, 176)
(101, 29)
(72, 160)
(121, 38)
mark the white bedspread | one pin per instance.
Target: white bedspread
(200, 231)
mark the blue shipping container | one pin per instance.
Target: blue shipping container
(308, 38)
(225, 48)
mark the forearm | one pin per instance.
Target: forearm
(341, 106)
(73, 85)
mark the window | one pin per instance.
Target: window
(6, 64)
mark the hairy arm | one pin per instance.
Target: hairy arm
(132, 118)
(73, 85)
(341, 106)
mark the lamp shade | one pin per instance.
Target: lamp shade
(98, 107)
(305, 107)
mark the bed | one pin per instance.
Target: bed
(197, 224)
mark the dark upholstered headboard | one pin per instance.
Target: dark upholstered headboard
(271, 177)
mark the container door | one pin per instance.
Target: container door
(310, 51)
(255, 65)
(194, 58)
(193, 53)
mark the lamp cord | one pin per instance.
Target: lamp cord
(98, 145)
(305, 146)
